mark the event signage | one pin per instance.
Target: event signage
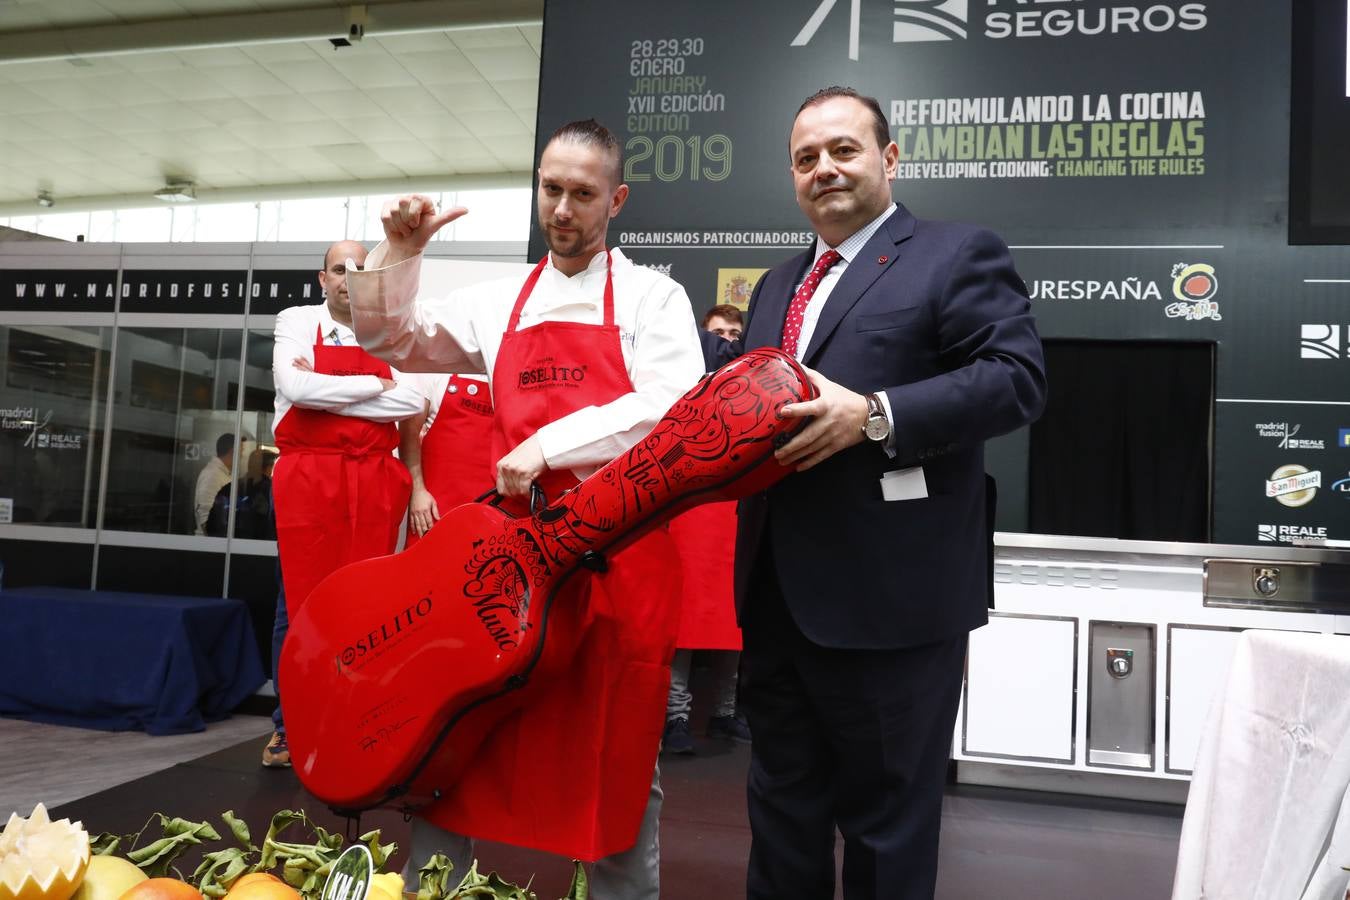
(1127, 150)
(58, 290)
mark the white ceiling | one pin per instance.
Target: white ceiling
(249, 100)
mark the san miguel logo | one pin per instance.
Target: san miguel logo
(1194, 286)
(1293, 485)
(377, 638)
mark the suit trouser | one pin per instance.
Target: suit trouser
(634, 874)
(857, 739)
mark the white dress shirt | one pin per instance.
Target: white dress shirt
(360, 396)
(462, 332)
(213, 476)
(847, 249)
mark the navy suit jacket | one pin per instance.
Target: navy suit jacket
(934, 314)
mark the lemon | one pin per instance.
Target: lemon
(107, 878)
(41, 859)
(386, 886)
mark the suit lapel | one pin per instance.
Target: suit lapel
(766, 324)
(860, 275)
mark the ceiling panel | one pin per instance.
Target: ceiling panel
(279, 114)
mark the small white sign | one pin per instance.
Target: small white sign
(350, 876)
(6, 510)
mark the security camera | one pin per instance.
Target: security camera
(356, 31)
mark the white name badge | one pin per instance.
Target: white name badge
(904, 484)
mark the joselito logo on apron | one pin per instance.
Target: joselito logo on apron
(548, 374)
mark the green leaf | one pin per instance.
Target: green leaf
(105, 844)
(219, 870)
(239, 828)
(156, 859)
(433, 878)
(580, 888)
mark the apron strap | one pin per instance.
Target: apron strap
(528, 288)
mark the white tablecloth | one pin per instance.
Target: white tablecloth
(1267, 817)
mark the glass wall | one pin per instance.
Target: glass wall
(51, 407)
(136, 411)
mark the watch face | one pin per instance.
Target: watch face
(877, 428)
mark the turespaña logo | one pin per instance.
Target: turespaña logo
(1194, 281)
(1319, 341)
(1194, 286)
(1293, 485)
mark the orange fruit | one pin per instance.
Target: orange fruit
(251, 877)
(163, 889)
(41, 859)
(262, 889)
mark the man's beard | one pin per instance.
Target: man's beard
(566, 247)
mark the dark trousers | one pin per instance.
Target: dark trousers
(854, 739)
(281, 623)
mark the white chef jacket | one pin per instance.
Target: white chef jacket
(462, 332)
(361, 396)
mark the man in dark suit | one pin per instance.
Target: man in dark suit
(860, 576)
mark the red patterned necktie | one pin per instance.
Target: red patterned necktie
(792, 325)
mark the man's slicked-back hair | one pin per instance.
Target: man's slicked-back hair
(879, 126)
(591, 132)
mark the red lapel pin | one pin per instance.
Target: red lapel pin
(881, 260)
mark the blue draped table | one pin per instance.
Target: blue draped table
(120, 661)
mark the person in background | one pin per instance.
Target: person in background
(706, 539)
(447, 451)
(338, 492)
(217, 473)
(860, 575)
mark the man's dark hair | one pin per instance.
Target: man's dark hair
(589, 131)
(879, 126)
(723, 311)
(225, 444)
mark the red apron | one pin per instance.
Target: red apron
(706, 539)
(339, 493)
(456, 464)
(570, 771)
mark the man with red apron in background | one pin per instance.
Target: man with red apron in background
(706, 539)
(447, 450)
(337, 489)
(584, 357)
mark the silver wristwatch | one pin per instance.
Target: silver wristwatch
(877, 427)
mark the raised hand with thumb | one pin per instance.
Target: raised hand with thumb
(411, 221)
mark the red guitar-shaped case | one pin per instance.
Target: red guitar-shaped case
(386, 657)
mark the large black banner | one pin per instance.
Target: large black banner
(1135, 154)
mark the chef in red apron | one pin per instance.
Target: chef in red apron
(706, 539)
(338, 490)
(584, 356)
(447, 451)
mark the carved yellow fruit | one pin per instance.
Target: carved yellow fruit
(41, 859)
